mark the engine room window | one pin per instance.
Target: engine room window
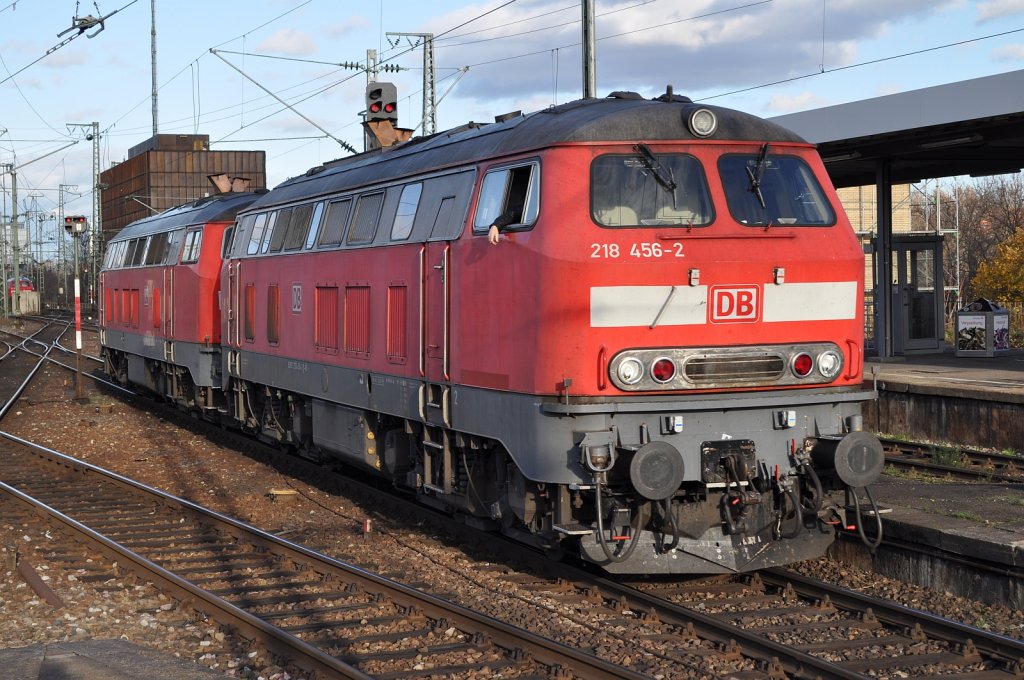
(334, 224)
(649, 189)
(298, 227)
(364, 223)
(767, 190)
(406, 214)
(514, 192)
(139, 254)
(281, 227)
(157, 248)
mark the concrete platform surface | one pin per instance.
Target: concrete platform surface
(963, 538)
(999, 378)
(96, 660)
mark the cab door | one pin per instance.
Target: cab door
(437, 280)
(436, 265)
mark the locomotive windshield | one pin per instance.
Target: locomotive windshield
(764, 190)
(649, 190)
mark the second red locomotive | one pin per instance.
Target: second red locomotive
(658, 367)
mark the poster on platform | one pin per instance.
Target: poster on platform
(1001, 332)
(970, 332)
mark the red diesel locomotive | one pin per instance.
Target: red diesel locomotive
(658, 367)
(160, 320)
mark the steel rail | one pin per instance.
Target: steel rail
(274, 639)
(984, 465)
(999, 646)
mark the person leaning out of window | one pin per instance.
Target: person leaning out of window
(512, 215)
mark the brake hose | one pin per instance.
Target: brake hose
(600, 532)
(673, 523)
(798, 517)
(878, 518)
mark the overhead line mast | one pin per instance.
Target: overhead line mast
(429, 79)
(589, 51)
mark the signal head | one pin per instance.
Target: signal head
(381, 101)
(75, 224)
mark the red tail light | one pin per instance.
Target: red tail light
(803, 364)
(663, 370)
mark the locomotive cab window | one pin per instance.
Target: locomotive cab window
(226, 241)
(256, 235)
(268, 232)
(193, 242)
(115, 256)
(314, 225)
(509, 193)
(768, 190)
(649, 189)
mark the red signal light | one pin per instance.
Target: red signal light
(389, 108)
(375, 107)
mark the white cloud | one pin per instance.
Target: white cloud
(998, 9)
(1009, 53)
(705, 47)
(788, 103)
(352, 25)
(289, 41)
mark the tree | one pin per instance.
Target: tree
(986, 212)
(1002, 277)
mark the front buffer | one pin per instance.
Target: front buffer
(720, 485)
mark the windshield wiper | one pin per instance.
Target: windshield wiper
(756, 175)
(662, 176)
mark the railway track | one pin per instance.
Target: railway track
(953, 461)
(772, 625)
(326, 616)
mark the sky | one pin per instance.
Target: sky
(766, 57)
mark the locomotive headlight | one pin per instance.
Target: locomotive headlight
(630, 371)
(702, 123)
(829, 364)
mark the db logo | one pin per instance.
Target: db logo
(733, 304)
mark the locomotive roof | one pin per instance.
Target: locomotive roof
(621, 117)
(216, 208)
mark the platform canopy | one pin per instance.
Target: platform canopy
(973, 127)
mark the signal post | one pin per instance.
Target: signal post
(75, 226)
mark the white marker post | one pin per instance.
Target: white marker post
(76, 226)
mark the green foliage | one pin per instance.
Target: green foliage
(948, 455)
(972, 516)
